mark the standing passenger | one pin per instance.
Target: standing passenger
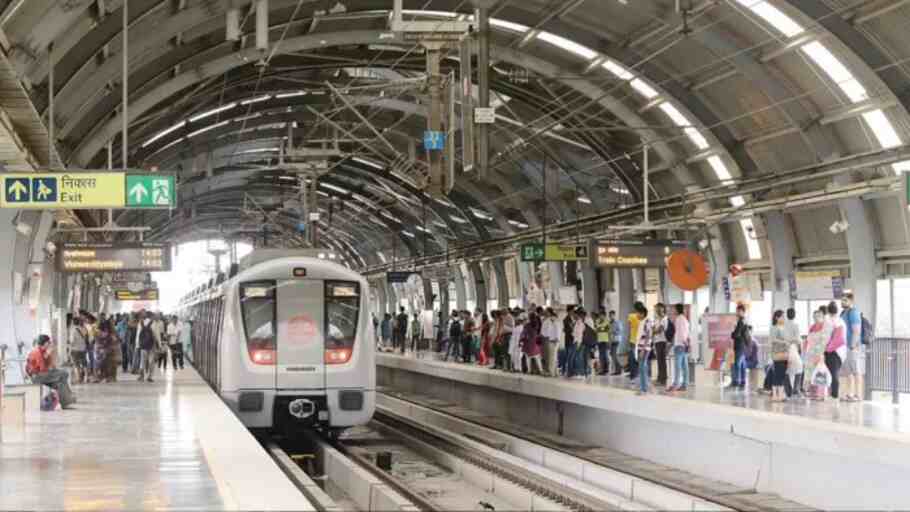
(401, 325)
(836, 351)
(145, 338)
(780, 353)
(814, 355)
(854, 366)
(568, 329)
(78, 349)
(794, 360)
(634, 321)
(645, 329)
(741, 338)
(681, 347)
(661, 326)
(616, 335)
(173, 342)
(602, 325)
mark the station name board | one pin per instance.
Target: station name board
(636, 253)
(114, 258)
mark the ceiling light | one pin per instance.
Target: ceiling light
(518, 224)
(480, 214)
(720, 169)
(369, 163)
(164, 133)
(583, 199)
(738, 201)
(333, 187)
(381, 256)
(256, 100)
(407, 234)
(207, 128)
(212, 112)
(290, 95)
(259, 150)
(508, 25)
(460, 220)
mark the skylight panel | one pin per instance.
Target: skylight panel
(164, 133)
(567, 45)
(738, 201)
(774, 17)
(836, 71)
(212, 112)
(901, 167)
(508, 25)
(752, 244)
(674, 114)
(258, 150)
(720, 169)
(697, 138)
(381, 256)
(641, 87)
(882, 128)
(617, 70)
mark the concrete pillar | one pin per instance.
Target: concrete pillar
(427, 293)
(626, 294)
(590, 288)
(444, 305)
(461, 296)
(525, 275)
(557, 280)
(502, 284)
(782, 251)
(719, 265)
(864, 269)
(480, 285)
(392, 297)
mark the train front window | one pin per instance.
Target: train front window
(342, 309)
(257, 301)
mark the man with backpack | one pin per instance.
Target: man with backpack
(40, 368)
(148, 347)
(854, 366)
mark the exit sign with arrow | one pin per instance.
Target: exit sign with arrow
(150, 191)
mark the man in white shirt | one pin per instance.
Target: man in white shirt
(660, 343)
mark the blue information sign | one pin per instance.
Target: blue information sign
(434, 141)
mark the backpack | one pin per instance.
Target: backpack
(670, 331)
(867, 332)
(146, 338)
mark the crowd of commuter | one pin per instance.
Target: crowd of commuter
(576, 344)
(101, 346)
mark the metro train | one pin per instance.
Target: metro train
(285, 341)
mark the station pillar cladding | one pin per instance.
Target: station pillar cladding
(24, 308)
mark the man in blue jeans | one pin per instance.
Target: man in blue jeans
(740, 335)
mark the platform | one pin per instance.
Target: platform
(738, 438)
(171, 444)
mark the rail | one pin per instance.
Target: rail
(888, 367)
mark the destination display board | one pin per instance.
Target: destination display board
(150, 294)
(114, 258)
(399, 277)
(84, 190)
(636, 253)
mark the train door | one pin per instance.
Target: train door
(301, 346)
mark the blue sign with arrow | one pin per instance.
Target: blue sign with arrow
(18, 190)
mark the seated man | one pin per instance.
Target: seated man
(40, 367)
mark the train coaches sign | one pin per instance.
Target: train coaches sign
(114, 258)
(636, 253)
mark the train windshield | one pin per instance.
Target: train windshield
(342, 307)
(257, 301)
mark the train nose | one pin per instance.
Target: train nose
(301, 408)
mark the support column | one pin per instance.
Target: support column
(524, 281)
(444, 306)
(864, 268)
(482, 15)
(782, 248)
(437, 187)
(461, 296)
(427, 294)
(502, 284)
(626, 294)
(480, 286)
(590, 288)
(556, 281)
(719, 266)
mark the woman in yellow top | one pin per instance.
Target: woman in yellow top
(634, 321)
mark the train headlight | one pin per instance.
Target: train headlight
(262, 356)
(337, 355)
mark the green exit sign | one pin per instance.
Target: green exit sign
(150, 191)
(532, 252)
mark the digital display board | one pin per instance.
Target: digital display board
(144, 295)
(636, 253)
(114, 258)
